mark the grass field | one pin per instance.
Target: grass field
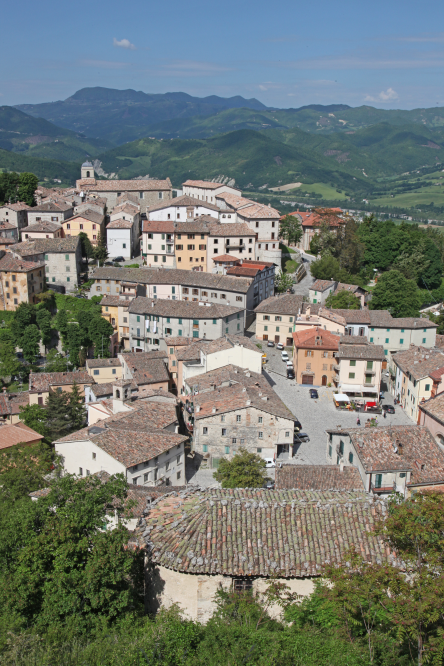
(318, 189)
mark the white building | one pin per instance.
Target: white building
(207, 191)
(181, 209)
(158, 243)
(122, 239)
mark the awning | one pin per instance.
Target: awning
(371, 404)
(351, 387)
(370, 390)
(341, 397)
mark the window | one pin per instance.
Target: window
(80, 471)
(53, 279)
(287, 433)
(368, 379)
(114, 372)
(401, 341)
(386, 341)
(81, 226)
(46, 257)
(278, 318)
(369, 365)
(93, 456)
(68, 226)
(239, 418)
(385, 352)
(265, 328)
(222, 418)
(352, 364)
(224, 432)
(96, 372)
(227, 450)
(378, 480)
(425, 330)
(180, 333)
(350, 457)
(277, 329)
(260, 419)
(423, 341)
(351, 375)
(205, 448)
(260, 434)
(427, 387)
(124, 245)
(242, 585)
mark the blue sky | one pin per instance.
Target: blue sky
(286, 54)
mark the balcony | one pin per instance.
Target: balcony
(370, 372)
(336, 368)
(170, 241)
(383, 489)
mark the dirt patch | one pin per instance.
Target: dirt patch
(285, 188)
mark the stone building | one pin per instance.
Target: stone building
(431, 415)
(20, 280)
(41, 384)
(148, 192)
(401, 459)
(42, 230)
(16, 214)
(241, 412)
(150, 320)
(239, 539)
(180, 209)
(148, 370)
(62, 257)
(50, 212)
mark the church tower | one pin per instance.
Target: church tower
(87, 170)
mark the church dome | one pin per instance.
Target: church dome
(87, 164)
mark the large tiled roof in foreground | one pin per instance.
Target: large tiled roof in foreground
(419, 361)
(262, 532)
(318, 477)
(288, 304)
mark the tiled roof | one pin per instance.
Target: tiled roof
(439, 340)
(6, 225)
(208, 185)
(88, 214)
(226, 376)
(102, 389)
(180, 341)
(434, 407)
(153, 226)
(419, 361)
(174, 276)
(184, 309)
(49, 227)
(17, 206)
(437, 374)
(357, 351)
(318, 477)
(230, 230)
(243, 271)
(10, 435)
(184, 200)
(147, 367)
(230, 341)
(289, 304)
(10, 402)
(322, 285)
(125, 185)
(51, 207)
(315, 338)
(131, 447)
(382, 318)
(313, 219)
(115, 301)
(223, 258)
(417, 451)
(259, 212)
(145, 393)
(236, 201)
(120, 224)
(103, 363)
(47, 245)
(192, 351)
(144, 417)
(7, 241)
(127, 207)
(42, 381)
(9, 263)
(196, 226)
(348, 287)
(351, 316)
(241, 532)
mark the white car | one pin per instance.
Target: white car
(284, 356)
(269, 462)
(290, 364)
(279, 346)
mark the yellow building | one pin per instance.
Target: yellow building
(89, 222)
(191, 245)
(104, 370)
(275, 318)
(20, 281)
(115, 310)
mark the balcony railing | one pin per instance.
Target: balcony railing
(383, 489)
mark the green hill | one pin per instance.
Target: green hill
(253, 159)
(67, 172)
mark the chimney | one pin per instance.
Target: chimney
(214, 410)
(197, 410)
(248, 403)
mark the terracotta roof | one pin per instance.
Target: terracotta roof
(88, 214)
(434, 407)
(7, 225)
(226, 376)
(322, 285)
(51, 207)
(419, 361)
(42, 227)
(127, 207)
(180, 341)
(238, 397)
(47, 245)
(259, 212)
(360, 350)
(120, 224)
(103, 363)
(10, 435)
(17, 206)
(205, 183)
(125, 185)
(288, 304)
(313, 219)
(153, 226)
(7, 241)
(236, 201)
(418, 453)
(230, 230)
(349, 287)
(353, 316)
(144, 417)
(42, 381)
(10, 402)
(115, 301)
(186, 309)
(183, 200)
(307, 339)
(145, 393)
(198, 225)
(174, 276)
(229, 342)
(147, 369)
(9, 263)
(223, 258)
(318, 477)
(241, 532)
(437, 374)
(191, 351)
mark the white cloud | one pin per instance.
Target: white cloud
(384, 96)
(124, 44)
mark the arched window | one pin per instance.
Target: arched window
(87, 174)
(117, 393)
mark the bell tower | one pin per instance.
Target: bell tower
(87, 170)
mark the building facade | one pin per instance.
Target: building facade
(20, 281)
(62, 257)
(275, 317)
(358, 369)
(314, 357)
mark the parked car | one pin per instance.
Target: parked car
(300, 437)
(284, 356)
(290, 373)
(279, 345)
(269, 484)
(270, 343)
(314, 393)
(389, 409)
(297, 425)
(119, 259)
(289, 363)
(269, 462)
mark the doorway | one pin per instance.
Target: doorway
(324, 380)
(277, 338)
(307, 379)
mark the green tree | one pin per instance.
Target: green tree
(58, 420)
(430, 276)
(100, 331)
(73, 343)
(25, 468)
(290, 229)
(35, 417)
(27, 186)
(8, 187)
(86, 246)
(101, 251)
(395, 293)
(61, 322)
(350, 249)
(10, 366)
(244, 470)
(61, 566)
(282, 282)
(44, 323)
(343, 300)
(325, 268)
(412, 266)
(55, 362)
(77, 410)
(30, 343)
(24, 316)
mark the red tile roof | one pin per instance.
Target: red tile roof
(10, 435)
(153, 226)
(318, 477)
(316, 338)
(8, 263)
(223, 258)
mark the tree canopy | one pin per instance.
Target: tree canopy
(393, 292)
(344, 300)
(245, 470)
